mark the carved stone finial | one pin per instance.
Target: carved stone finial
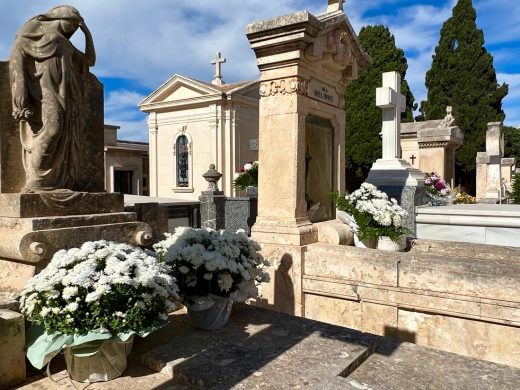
(212, 176)
(335, 5)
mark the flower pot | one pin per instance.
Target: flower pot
(370, 243)
(385, 243)
(88, 363)
(210, 312)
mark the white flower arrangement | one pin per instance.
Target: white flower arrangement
(374, 213)
(221, 263)
(102, 286)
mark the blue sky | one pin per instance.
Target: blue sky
(140, 44)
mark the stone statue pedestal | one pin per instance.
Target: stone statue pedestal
(35, 226)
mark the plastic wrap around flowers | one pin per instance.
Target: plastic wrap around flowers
(375, 215)
(206, 261)
(102, 286)
(436, 186)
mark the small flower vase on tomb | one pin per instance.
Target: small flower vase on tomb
(435, 200)
(385, 243)
(209, 312)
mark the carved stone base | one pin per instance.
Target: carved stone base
(22, 205)
(33, 227)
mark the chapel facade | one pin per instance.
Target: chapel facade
(193, 124)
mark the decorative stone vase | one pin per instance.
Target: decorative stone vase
(435, 200)
(385, 243)
(89, 363)
(209, 312)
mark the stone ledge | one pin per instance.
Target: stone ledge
(412, 367)
(21, 205)
(269, 350)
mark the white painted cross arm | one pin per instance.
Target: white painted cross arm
(389, 95)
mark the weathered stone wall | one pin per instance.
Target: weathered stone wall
(460, 298)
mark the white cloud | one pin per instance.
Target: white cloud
(148, 41)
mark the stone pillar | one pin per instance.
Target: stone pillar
(494, 150)
(12, 349)
(212, 202)
(508, 168)
(482, 164)
(153, 130)
(305, 64)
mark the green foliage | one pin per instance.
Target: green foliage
(462, 76)
(363, 117)
(515, 190)
(248, 177)
(512, 142)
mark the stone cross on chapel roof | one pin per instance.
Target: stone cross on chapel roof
(392, 103)
(218, 61)
(335, 5)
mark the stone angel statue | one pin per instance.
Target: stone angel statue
(48, 87)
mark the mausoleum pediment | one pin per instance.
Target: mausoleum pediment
(180, 89)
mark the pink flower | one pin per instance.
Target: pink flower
(439, 185)
(428, 181)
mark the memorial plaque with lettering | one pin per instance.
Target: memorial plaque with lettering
(322, 92)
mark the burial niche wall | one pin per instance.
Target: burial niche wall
(319, 163)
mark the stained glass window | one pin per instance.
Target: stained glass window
(182, 151)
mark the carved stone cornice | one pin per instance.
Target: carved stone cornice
(332, 47)
(285, 86)
(433, 145)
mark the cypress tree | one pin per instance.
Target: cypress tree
(462, 76)
(363, 117)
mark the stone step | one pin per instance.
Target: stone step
(262, 349)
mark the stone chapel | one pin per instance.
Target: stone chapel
(193, 124)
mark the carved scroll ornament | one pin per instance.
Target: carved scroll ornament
(283, 87)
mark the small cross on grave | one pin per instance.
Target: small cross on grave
(335, 5)
(413, 159)
(218, 61)
(392, 103)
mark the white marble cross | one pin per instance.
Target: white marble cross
(218, 69)
(392, 103)
(335, 5)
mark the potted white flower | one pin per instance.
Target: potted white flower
(213, 269)
(90, 301)
(375, 218)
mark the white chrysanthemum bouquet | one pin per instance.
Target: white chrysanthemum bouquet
(374, 213)
(101, 290)
(221, 263)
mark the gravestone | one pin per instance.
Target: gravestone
(51, 151)
(305, 63)
(391, 173)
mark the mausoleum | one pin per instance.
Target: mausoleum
(193, 124)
